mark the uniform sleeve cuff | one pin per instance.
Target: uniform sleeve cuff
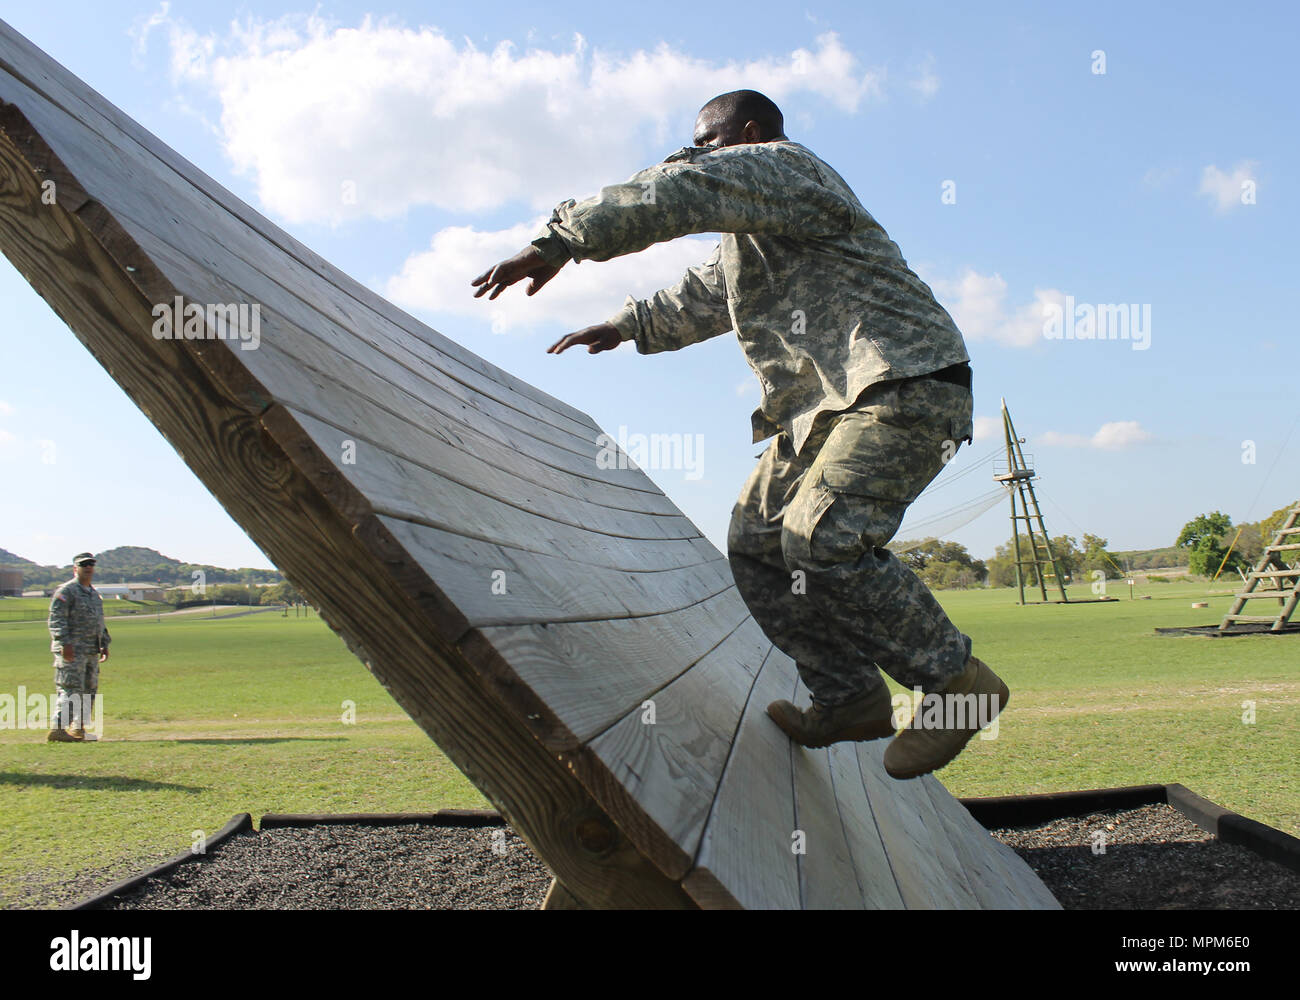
(625, 320)
(553, 249)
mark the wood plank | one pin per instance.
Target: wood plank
(828, 879)
(745, 856)
(995, 883)
(411, 484)
(542, 588)
(561, 678)
(658, 778)
(301, 387)
(412, 490)
(924, 865)
(876, 879)
(560, 898)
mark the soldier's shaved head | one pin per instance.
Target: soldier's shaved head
(739, 116)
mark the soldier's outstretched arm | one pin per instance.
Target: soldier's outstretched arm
(735, 189)
(693, 310)
(748, 188)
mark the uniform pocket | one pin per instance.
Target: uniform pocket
(842, 478)
(800, 521)
(68, 673)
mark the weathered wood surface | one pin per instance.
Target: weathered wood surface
(557, 627)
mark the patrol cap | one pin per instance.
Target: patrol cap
(84, 559)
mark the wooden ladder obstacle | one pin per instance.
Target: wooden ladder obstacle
(1273, 570)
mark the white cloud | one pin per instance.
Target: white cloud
(987, 429)
(1114, 436)
(143, 28)
(438, 279)
(6, 408)
(412, 117)
(925, 82)
(1225, 190)
(978, 304)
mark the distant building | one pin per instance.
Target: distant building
(11, 583)
(130, 591)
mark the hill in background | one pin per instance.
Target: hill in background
(136, 564)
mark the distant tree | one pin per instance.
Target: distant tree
(281, 593)
(1095, 558)
(1273, 523)
(1206, 538)
(1250, 545)
(1002, 566)
(942, 565)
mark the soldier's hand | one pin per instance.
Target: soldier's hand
(103, 655)
(527, 263)
(601, 337)
(68, 654)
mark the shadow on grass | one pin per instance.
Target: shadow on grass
(108, 783)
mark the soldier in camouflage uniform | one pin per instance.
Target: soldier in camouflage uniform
(866, 388)
(79, 640)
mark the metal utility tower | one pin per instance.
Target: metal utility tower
(1018, 478)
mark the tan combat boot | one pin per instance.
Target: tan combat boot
(870, 717)
(59, 736)
(77, 732)
(920, 749)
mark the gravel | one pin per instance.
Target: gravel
(355, 867)
(1155, 858)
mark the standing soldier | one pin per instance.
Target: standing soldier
(866, 387)
(79, 640)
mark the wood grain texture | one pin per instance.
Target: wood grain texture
(746, 857)
(524, 602)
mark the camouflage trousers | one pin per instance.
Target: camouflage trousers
(807, 535)
(76, 683)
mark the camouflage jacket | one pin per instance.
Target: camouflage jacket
(820, 297)
(77, 617)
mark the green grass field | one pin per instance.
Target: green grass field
(17, 609)
(207, 718)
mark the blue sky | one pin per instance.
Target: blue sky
(1159, 183)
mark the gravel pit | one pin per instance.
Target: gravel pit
(355, 867)
(1155, 859)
